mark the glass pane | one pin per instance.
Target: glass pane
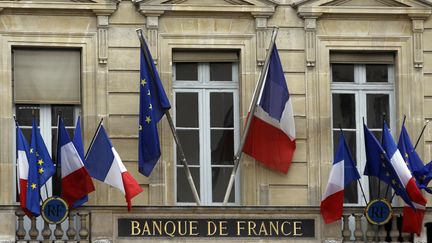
(221, 71)
(187, 109)
(27, 132)
(350, 138)
(350, 193)
(379, 189)
(343, 73)
(66, 112)
(222, 147)
(184, 193)
(377, 73)
(220, 179)
(189, 140)
(344, 111)
(25, 114)
(377, 107)
(186, 71)
(221, 110)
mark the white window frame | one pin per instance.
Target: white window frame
(44, 122)
(204, 87)
(360, 88)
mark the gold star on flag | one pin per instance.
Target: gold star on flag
(140, 127)
(143, 82)
(41, 170)
(33, 186)
(148, 93)
(40, 162)
(387, 174)
(406, 155)
(150, 106)
(394, 182)
(148, 119)
(31, 150)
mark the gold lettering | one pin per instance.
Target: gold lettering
(157, 226)
(184, 232)
(263, 229)
(297, 228)
(283, 226)
(240, 227)
(211, 225)
(193, 225)
(135, 225)
(251, 227)
(173, 227)
(274, 227)
(146, 228)
(223, 228)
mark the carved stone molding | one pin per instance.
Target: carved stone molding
(310, 29)
(102, 28)
(152, 26)
(261, 27)
(418, 29)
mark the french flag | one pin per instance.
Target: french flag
(271, 137)
(22, 154)
(104, 163)
(76, 182)
(341, 174)
(412, 219)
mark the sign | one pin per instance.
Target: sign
(378, 211)
(54, 210)
(219, 227)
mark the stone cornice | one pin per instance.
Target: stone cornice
(99, 8)
(304, 11)
(255, 10)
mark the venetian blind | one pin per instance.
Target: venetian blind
(46, 76)
(362, 57)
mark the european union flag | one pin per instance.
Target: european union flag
(153, 105)
(413, 161)
(378, 164)
(45, 166)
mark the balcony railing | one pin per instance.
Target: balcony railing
(77, 228)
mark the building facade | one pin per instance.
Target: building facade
(344, 61)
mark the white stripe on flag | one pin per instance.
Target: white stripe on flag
(70, 159)
(336, 180)
(23, 166)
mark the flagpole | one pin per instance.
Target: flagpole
(93, 139)
(251, 112)
(171, 125)
(421, 134)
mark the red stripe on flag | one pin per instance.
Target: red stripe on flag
(131, 188)
(412, 220)
(331, 208)
(269, 145)
(23, 197)
(76, 185)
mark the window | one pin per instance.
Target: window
(46, 84)
(362, 91)
(207, 121)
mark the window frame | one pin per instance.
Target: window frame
(361, 88)
(204, 87)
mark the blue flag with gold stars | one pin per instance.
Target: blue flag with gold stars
(378, 164)
(153, 105)
(45, 166)
(413, 161)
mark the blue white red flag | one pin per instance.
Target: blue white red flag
(105, 164)
(76, 182)
(271, 137)
(342, 173)
(22, 158)
(78, 143)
